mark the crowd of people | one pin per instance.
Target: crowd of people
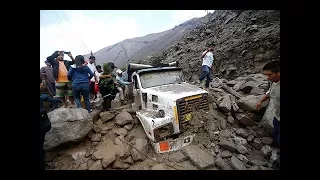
(67, 83)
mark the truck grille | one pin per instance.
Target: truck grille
(189, 104)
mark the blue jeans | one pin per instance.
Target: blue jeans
(46, 97)
(206, 73)
(276, 131)
(82, 89)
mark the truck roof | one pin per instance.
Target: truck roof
(157, 69)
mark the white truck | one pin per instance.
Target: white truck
(165, 104)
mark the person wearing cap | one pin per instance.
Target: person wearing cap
(121, 84)
(47, 76)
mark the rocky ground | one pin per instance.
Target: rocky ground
(233, 135)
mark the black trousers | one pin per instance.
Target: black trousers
(45, 126)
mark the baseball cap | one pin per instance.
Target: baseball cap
(92, 57)
(119, 71)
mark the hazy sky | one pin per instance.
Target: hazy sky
(82, 31)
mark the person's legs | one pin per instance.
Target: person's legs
(209, 77)
(46, 97)
(70, 93)
(76, 95)
(60, 92)
(120, 93)
(205, 71)
(276, 131)
(85, 91)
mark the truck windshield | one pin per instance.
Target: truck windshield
(153, 79)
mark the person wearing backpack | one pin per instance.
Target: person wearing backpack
(107, 87)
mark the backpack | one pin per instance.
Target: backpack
(106, 87)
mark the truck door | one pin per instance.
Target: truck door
(136, 91)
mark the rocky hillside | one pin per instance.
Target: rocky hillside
(244, 41)
(140, 48)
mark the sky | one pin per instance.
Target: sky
(81, 31)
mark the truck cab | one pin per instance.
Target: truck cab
(165, 102)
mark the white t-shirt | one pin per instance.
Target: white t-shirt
(207, 59)
(98, 75)
(93, 69)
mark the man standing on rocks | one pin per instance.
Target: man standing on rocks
(207, 67)
(272, 71)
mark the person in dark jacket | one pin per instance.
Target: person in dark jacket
(46, 94)
(60, 69)
(45, 126)
(107, 87)
(79, 74)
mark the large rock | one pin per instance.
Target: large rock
(222, 164)
(123, 118)
(248, 86)
(177, 156)
(198, 157)
(225, 104)
(236, 164)
(241, 149)
(267, 119)
(246, 118)
(249, 103)
(106, 116)
(226, 154)
(266, 140)
(68, 125)
(227, 145)
(141, 146)
(242, 132)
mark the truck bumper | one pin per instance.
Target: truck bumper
(170, 145)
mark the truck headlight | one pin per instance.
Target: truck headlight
(163, 131)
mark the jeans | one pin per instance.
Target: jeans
(276, 131)
(83, 89)
(46, 97)
(206, 73)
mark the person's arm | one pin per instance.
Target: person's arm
(105, 76)
(90, 72)
(71, 57)
(51, 59)
(263, 99)
(70, 74)
(203, 54)
(120, 81)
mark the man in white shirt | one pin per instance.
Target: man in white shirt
(92, 67)
(207, 66)
(272, 71)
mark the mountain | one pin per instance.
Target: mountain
(139, 48)
(243, 40)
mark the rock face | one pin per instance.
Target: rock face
(242, 46)
(68, 125)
